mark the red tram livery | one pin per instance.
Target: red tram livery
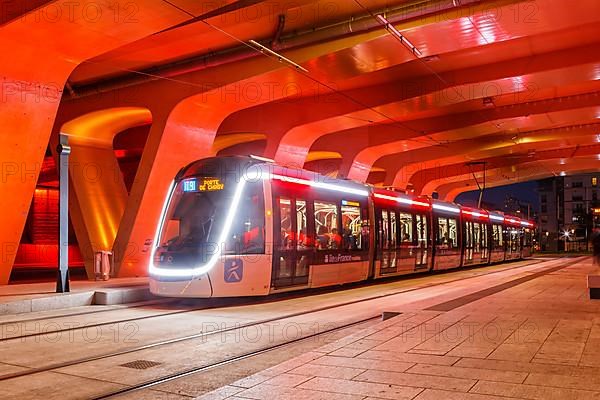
(243, 226)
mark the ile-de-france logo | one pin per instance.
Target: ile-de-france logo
(234, 270)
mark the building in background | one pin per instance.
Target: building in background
(515, 206)
(569, 211)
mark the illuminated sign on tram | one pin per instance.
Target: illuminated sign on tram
(203, 185)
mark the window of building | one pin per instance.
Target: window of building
(594, 181)
(577, 198)
(543, 198)
(326, 225)
(544, 208)
(577, 184)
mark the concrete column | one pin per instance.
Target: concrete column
(31, 92)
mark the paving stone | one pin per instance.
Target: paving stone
(382, 365)
(414, 380)
(288, 379)
(382, 391)
(588, 382)
(433, 394)
(270, 392)
(526, 367)
(327, 371)
(532, 392)
(469, 373)
(222, 393)
(408, 357)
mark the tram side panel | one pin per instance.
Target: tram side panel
(447, 240)
(321, 238)
(497, 252)
(402, 239)
(247, 272)
(513, 242)
(475, 237)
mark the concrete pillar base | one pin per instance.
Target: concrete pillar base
(594, 286)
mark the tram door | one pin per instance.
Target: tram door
(469, 243)
(422, 245)
(389, 252)
(294, 247)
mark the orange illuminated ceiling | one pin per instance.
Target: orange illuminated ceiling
(509, 82)
(383, 108)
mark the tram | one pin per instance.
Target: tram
(244, 226)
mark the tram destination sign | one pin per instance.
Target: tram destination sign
(203, 185)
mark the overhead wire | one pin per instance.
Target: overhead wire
(393, 122)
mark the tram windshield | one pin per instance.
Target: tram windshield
(194, 224)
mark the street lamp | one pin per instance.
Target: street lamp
(566, 235)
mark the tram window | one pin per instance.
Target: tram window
(447, 232)
(385, 237)
(484, 236)
(514, 239)
(476, 236)
(497, 238)
(393, 229)
(453, 227)
(364, 231)
(351, 227)
(326, 225)
(469, 234)
(422, 230)
(302, 225)
(172, 230)
(526, 238)
(247, 232)
(406, 228)
(285, 214)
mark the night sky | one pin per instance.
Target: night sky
(525, 192)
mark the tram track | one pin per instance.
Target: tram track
(206, 367)
(199, 335)
(212, 365)
(222, 303)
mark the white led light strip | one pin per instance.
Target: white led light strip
(401, 200)
(474, 213)
(525, 223)
(320, 185)
(446, 208)
(200, 269)
(496, 218)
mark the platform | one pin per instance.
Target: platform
(33, 297)
(537, 337)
